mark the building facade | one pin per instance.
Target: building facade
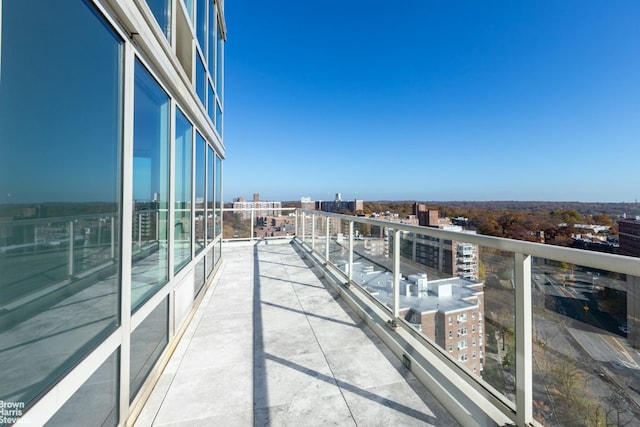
(244, 208)
(450, 257)
(111, 122)
(629, 237)
(450, 312)
(340, 206)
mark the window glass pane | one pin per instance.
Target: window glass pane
(182, 187)
(201, 79)
(210, 191)
(60, 165)
(96, 402)
(147, 343)
(200, 182)
(201, 24)
(218, 202)
(150, 187)
(211, 102)
(209, 262)
(199, 274)
(217, 251)
(218, 119)
(189, 5)
(219, 64)
(211, 56)
(162, 12)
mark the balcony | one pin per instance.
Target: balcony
(290, 332)
(273, 344)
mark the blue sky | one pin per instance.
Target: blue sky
(433, 100)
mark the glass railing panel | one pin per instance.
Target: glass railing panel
(372, 262)
(445, 304)
(338, 241)
(496, 321)
(585, 368)
(318, 233)
(237, 224)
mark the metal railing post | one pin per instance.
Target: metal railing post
(251, 227)
(303, 221)
(328, 240)
(296, 223)
(350, 253)
(396, 276)
(313, 232)
(71, 248)
(524, 336)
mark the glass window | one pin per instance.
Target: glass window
(209, 262)
(189, 5)
(60, 167)
(199, 276)
(161, 10)
(83, 408)
(201, 146)
(212, 40)
(219, 63)
(211, 102)
(210, 191)
(182, 188)
(201, 80)
(147, 343)
(201, 24)
(218, 119)
(150, 187)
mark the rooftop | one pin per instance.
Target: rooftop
(462, 293)
(283, 349)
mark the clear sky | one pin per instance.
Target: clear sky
(433, 100)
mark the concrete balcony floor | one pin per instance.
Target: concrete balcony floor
(271, 344)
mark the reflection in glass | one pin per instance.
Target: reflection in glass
(147, 343)
(189, 5)
(219, 64)
(209, 262)
(59, 191)
(199, 276)
(150, 187)
(211, 100)
(182, 183)
(212, 27)
(218, 119)
(201, 80)
(201, 23)
(161, 10)
(85, 408)
(200, 184)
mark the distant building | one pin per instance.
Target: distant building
(261, 208)
(307, 203)
(340, 206)
(451, 257)
(270, 226)
(448, 311)
(629, 237)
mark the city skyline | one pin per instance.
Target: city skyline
(433, 101)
